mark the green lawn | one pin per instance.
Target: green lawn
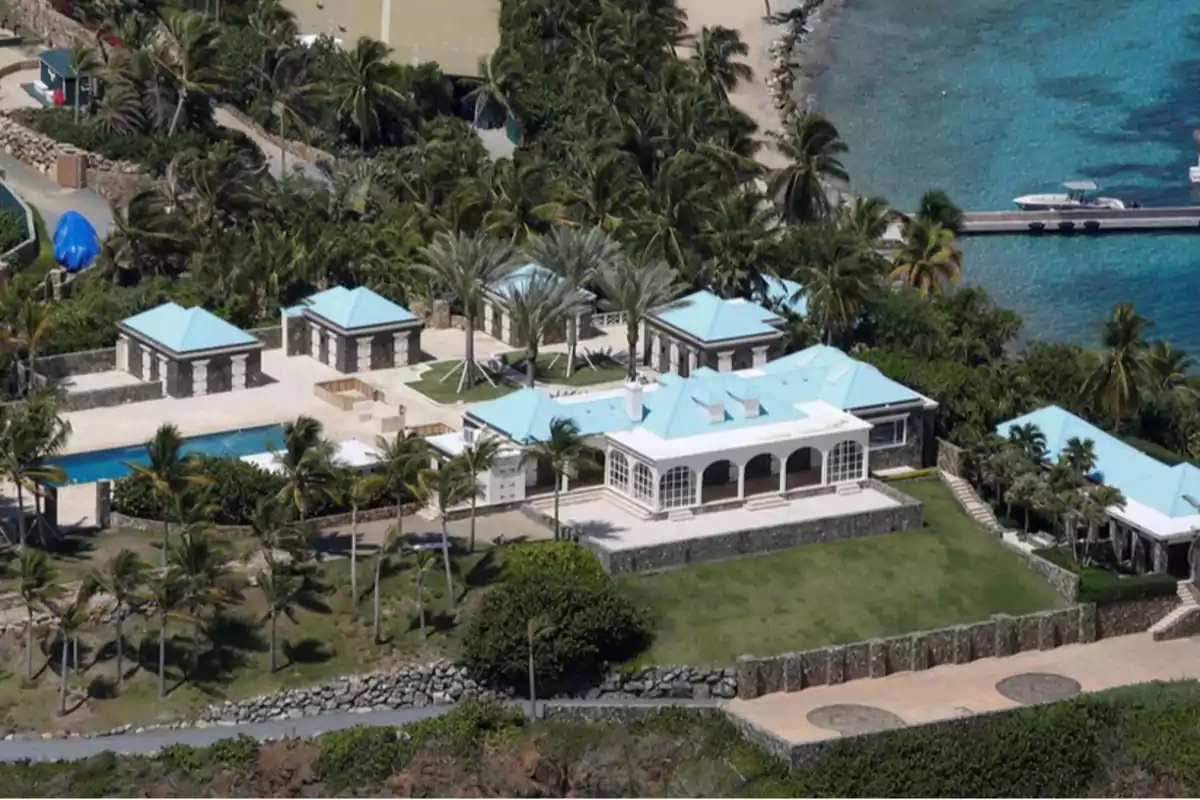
(432, 385)
(950, 573)
(330, 639)
(552, 368)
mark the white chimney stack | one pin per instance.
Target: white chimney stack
(633, 401)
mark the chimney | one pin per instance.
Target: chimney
(750, 407)
(633, 401)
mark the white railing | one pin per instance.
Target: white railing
(609, 319)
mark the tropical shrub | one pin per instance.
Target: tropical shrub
(1103, 586)
(359, 756)
(586, 624)
(564, 559)
(12, 229)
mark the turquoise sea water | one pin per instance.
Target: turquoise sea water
(991, 99)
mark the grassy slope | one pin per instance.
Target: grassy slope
(949, 573)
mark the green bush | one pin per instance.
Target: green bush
(1104, 586)
(234, 492)
(467, 726)
(564, 559)
(591, 625)
(359, 756)
(12, 229)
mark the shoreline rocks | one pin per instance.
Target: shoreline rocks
(783, 52)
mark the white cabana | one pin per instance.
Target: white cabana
(350, 453)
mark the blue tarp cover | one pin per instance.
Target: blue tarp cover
(75, 242)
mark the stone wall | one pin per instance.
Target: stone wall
(40, 152)
(115, 186)
(84, 362)
(56, 29)
(1065, 582)
(909, 516)
(112, 396)
(298, 150)
(949, 458)
(271, 336)
(1186, 626)
(119, 520)
(1136, 616)
(912, 452)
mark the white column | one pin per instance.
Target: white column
(400, 348)
(489, 316)
(760, 356)
(693, 359)
(782, 476)
(162, 372)
(315, 352)
(673, 362)
(505, 327)
(824, 466)
(741, 480)
(239, 371)
(199, 378)
(725, 361)
(364, 353)
(123, 353)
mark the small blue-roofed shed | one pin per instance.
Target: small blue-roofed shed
(191, 351)
(497, 317)
(704, 330)
(58, 74)
(353, 330)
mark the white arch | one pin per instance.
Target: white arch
(677, 488)
(643, 484)
(618, 471)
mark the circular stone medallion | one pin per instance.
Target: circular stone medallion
(850, 720)
(1031, 688)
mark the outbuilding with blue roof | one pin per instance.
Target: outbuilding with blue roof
(705, 330)
(498, 299)
(191, 351)
(353, 330)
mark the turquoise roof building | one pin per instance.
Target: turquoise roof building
(190, 351)
(704, 330)
(353, 330)
(782, 292)
(1157, 495)
(498, 297)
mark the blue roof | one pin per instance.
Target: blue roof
(520, 278)
(356, 308)
(58, 60)
(708, 318)
(677, 408)
(1139, 477)
(786, 293)
(186, 330)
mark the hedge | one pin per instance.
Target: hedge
(1104, 586)
(236, 489)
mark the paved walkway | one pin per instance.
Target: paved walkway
(306, 727)
(269, 150)
(52, 200)
(911, 698)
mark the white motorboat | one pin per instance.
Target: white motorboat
(1079, 195)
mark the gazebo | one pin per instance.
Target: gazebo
(191, 351)
(497, 318)
(704, 330)
(353, 330)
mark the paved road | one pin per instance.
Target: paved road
(307, 727)
(269, 150)
(53, 200)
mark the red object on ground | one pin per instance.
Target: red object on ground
(59, 97)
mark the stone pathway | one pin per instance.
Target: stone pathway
(990, 684)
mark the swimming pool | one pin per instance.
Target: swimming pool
(101, 465)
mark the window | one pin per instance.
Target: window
(676, 488)
(643, 484)
(618, 472)
(889, 433)
(846, 462)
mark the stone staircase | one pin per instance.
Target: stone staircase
(976, 509)
(1187, 606)
(680, 515)
(763, 502)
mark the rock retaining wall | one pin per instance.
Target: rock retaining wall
(40, 152)
(111, 396)
(55, 28)
(119, 520)
(1065, 582)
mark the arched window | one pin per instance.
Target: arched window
(618, 472)
(846, 462)
(643, 484)
(676, 489)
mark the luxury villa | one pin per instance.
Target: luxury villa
(1156, 526)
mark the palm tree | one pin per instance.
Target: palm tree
(167, 593)
(69, 619)
(838, 285)
(1097, 499)
(358, 489)
(365, 82)
(122, 579)
(714, 59)
(472, 461)
(812, 146)
(277, 530)
(1118, 380)
(297, 98)
(536, 628)
(927, 260)
(34, 323)
(400, 460)
(191, 56)
(866, 219)
(937, 208)
(575, 255)
(1029, 439)
(281, 587)
(1079, 455)
(35, 583)
(638, 289)
(85, 64)
(495, 84)
(27, 439)
(442, 488)
(391, 538)
(167, 474)
(307, 462)
(464, 267)
(423, 563)
(1027, 492)
(1168, 367)
(535, 304)
(561, 452)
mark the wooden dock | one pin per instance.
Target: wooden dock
(1092, 220)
